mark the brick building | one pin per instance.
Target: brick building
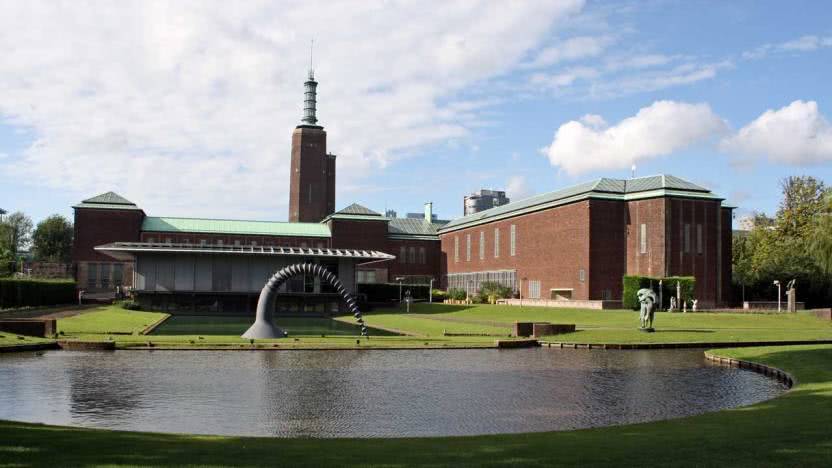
(572, 244)
(578, 243)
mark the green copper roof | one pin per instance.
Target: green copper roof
(233, 226)
(412, 226)
(108, 201)
(356, 209)
(618, 189)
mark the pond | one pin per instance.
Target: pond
(368, 393)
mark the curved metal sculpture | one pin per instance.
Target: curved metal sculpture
(264, 327)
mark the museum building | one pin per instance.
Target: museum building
(569, 245)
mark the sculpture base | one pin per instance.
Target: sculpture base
(647, 330)
(262, 330)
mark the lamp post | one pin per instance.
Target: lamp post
(430, 292)
(400, 279)
(777, 283)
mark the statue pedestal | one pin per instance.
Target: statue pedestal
(647, 330)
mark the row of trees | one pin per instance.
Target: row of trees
(795, 243)
(50, 240)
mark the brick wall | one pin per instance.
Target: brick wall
(608, 257)
(552, 246)
(96, 227)
(309, 181)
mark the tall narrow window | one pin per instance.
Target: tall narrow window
(643, 238)
(699, 238)
(496, 242)
(92, 275)
(402, 254)
(482, 245)
(687, 238)
(412, 257)
(467, 247)
(456, 249)
(423, 258)
(513, 245)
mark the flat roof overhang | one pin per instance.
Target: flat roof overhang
(127, 251)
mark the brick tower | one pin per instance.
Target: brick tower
(312, 177)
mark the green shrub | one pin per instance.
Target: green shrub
(633, 283)
(491, 291)
(438, 295)
(16, 292)
(457, 294)
(131, 305)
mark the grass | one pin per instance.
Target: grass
(108, 319)
(792, 430)
(11, 339)
(609, 326)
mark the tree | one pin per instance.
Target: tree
(803, 200)
(52, 240)
(821, 245)
(15, 232)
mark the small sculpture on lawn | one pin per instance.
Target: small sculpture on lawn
(647, 298)
(672, 304)
(694, 304)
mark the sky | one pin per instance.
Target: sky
(187, 108)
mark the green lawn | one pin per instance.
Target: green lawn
(11, 339)
(109, 319)
(608, 326)
(792, 430)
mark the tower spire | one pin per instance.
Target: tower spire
(310, 93)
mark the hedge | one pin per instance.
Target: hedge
(16, 292)
(633, 283)
(389, 292)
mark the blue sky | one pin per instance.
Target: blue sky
(187, 108)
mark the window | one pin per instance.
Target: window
(496, 242)
(643, 238)
(482, 245)
(105, 275)
(534, 289)
(467, 247)
(512, 250)
(202, 242)
(687, 238)
(402, 254)
(371, 276)
(219, 241)
(118, 274)
(422, 256)
(236, 242)
(699, 238)
(168, 240)
(412, 257)
(456, 249)
(254, 243)
(360, 276)
(92, 275)
(151, 240)
(581, 275)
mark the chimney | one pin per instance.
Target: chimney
(429, 212)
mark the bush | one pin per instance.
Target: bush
(438, 295)
(633, 283)
(35, 292)
(131, 305)
(389, 292)
(490, 291)
(457, 294)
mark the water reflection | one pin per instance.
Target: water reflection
(368, 393)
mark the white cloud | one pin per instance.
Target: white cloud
(517, 188)
(794, 134)
(574, 48)
(656, 130)
(188, 107)
(806, 43)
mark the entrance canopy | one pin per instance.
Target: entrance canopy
(128, 250)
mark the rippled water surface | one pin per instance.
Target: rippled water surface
(368, 393)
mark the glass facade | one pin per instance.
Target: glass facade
(471, 281)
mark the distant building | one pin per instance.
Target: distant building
(390, 214)
(483, 200)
